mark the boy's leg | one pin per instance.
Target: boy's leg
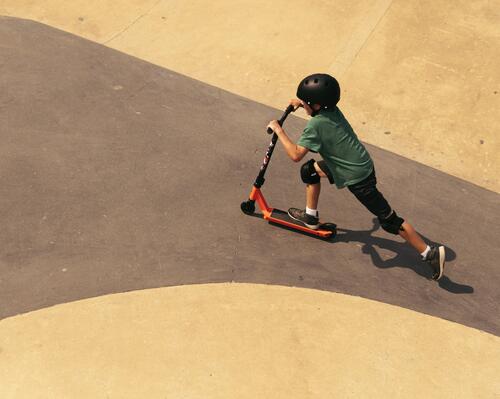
(313, 190)
(366, 192)
(311, 174)
(412, 237)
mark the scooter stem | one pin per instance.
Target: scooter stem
(259, 181)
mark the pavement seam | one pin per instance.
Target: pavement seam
(358, 40)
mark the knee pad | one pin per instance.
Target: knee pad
(308, 173)
(392, 224)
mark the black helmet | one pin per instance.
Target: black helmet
(321, 89)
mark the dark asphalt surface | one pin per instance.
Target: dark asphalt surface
(118, 175)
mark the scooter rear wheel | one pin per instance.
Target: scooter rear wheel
(248, 207)
(330, 227)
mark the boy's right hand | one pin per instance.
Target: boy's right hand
(297, 103)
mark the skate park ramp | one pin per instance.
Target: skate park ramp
(128, 269)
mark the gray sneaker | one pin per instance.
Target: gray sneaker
(436, 259)
(301, 216)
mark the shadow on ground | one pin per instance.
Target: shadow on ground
(401, 258)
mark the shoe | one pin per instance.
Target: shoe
(436, 259)
(301, 216)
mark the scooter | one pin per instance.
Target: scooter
(277, 216)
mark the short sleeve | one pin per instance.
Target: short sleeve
(310, 139)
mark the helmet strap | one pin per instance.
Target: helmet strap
(315, 112)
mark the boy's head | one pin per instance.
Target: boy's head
(321, 89)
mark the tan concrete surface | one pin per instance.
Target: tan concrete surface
(419, 78)
(242, 341)
(429, 75)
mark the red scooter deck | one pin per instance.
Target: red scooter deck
(282, 218)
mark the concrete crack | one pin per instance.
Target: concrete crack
(133, 23)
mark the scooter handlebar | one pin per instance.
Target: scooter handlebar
(288, 110)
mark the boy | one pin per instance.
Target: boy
(346, 163)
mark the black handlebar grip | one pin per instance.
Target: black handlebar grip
(288, 110)
(283, 117)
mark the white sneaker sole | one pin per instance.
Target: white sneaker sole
(442, 256)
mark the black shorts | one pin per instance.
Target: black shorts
(366, 192)
(324, 167)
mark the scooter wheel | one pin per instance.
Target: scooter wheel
(248, 207)
(330, 227)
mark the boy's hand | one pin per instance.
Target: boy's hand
(274, 126)
(297, 103)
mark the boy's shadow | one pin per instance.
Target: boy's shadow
(404, 255)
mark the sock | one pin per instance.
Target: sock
(424, 254)
(312, 212)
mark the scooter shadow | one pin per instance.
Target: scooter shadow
(404, 255)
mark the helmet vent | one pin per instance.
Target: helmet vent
(307, 82)
(315, 80)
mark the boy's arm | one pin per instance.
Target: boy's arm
(294, 151)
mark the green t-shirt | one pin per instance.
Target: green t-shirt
(331, 135)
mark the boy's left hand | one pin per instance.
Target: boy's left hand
(274, 126)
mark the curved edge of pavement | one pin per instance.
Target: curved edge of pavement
(245, 341)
